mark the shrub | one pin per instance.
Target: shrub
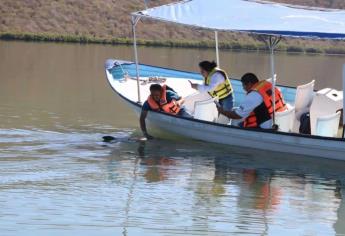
(236, 46)
(294, 49)
(335, 50)
(313, 50)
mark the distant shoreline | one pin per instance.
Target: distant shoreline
(45, 37)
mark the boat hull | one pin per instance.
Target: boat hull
(228, 135)
(291, 143)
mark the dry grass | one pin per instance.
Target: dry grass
(109, 19)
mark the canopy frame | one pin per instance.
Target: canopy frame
(272, 43)
(276, 32)
(343, 101)
(271, 39)
(135, 19)
(217, 46)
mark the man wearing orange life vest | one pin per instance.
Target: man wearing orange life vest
(256, 109)
(162, 98)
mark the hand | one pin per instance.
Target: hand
(193, 85)
(220, 110)
(179, 102)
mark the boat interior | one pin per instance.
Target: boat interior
(324, 106)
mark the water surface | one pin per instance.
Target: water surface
(57, 177)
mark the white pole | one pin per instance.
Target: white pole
(135, 20)
(273, 83)
(343, 94)
(217, 49)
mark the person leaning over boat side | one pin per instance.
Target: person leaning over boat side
(256, 109)
(162, 98)
(216, 83)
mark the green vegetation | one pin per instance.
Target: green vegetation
(108, 22)
(47, 37)
(231, 45)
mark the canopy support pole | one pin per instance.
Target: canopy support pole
(217, 46)
(135, 20)
(272, 43)
(273, 85)
(343, 100)
(146, 2)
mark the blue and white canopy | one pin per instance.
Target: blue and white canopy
(256, 17)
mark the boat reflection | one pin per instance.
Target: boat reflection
(156, 167)
(236, 192)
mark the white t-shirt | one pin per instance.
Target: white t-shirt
(251, 101)
(216, 79)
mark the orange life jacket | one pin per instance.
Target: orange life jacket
(264, 111)
(163, 105)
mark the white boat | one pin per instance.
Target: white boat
(131, 80)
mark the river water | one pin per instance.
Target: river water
(57, 177)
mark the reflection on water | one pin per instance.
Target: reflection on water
(71, 182)
(214, 192)
(58, 178)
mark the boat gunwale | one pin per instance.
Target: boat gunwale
(224, 125)
(190, 72)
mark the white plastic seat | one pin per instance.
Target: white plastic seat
(327, 101)
(206, 110)
(304, 98)
(190, 100)
(328, 126)
(285, 119)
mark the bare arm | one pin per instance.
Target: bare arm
(180, 101)
(229, 114)
(143, 116)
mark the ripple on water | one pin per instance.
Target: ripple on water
(69, 181)
(29, 156)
